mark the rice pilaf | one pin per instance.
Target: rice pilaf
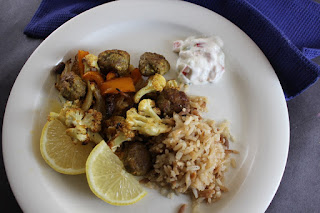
(193, 158)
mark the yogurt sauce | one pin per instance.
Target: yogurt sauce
(201, 60)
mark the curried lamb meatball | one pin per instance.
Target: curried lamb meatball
(152, 63)
(71, 86)
(172, 100)
(136, 158)
(114, 60)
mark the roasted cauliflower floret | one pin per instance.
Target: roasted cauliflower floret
(62, 114)
(147, 107)
(172, 84)
(156, 83)
(83, 125)
(92, 120)
(146, 122)
(116, 142)
(74, 117)
(90, 63)
(116, 124)
(78, 133)
(117, 131)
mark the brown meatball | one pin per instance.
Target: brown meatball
(136, 158)
(114, 60)
(172, 100)
(71, 86)
(152, 63)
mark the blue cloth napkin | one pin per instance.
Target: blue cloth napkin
(287, 31)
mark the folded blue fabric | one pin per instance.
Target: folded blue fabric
(52, 14)
(311, 53)
(286, 31)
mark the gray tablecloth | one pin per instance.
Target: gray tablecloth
(299, 190)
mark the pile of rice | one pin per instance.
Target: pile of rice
(194, 156)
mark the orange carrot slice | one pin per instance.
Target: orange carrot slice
(124, 84)
(110, 76)
(93, 76)
(136, 75)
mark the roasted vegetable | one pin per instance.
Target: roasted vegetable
(172, 84)
(81, 123)
(146, 121)
(81, 54)
(93, 76)
(90, 63)
(148, 108)
(89, 97)
(124, 84)
(136, 75)
(156, 83)
(117, 131)
(99, 103)
(111, 75)
(62, 114)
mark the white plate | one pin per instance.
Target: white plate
(249, 96)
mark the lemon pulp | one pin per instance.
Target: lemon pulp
(58, 150)
(108, 180)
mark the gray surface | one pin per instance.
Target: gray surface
(299, 190)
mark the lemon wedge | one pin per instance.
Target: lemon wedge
(108, 179)
(58, 150)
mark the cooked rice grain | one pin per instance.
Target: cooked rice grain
(198, 103)
(192, 158)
